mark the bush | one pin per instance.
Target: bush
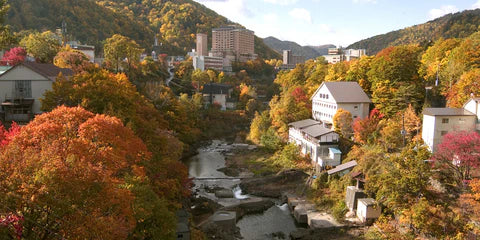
(339, 210)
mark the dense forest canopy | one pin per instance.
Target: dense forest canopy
(458, 25)
(175, 23)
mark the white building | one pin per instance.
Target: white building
(23, 85)
(220, 94)
(316, 141)
(368, 210)
(331, 96)
(208, 62)
(88, 50)
(336, 55)
(439, 121)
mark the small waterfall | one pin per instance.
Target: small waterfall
(237, 192)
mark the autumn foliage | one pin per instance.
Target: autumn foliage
(14, 56)
(458, 153)
(65, 173)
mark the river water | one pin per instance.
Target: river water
(252, 227)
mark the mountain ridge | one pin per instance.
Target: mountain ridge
(453, 25)
(309, 52)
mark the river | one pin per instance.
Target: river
(252, 227)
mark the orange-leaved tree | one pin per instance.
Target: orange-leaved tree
(66, 173)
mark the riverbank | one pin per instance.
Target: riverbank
(240, 178)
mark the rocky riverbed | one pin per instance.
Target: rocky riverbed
(225, 185)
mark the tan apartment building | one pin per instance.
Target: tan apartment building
(202, 44)
(233, 41)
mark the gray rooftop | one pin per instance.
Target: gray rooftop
(367, 201)
(447, 112)
(342, 167)
(182, 228)
(316, 130)
(347, 92)
(303, 123)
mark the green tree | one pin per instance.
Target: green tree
(343, 123)
(121, 52)
(260, 124)
(71, 58)
(42, 46)
(358, 72)
(395, 80)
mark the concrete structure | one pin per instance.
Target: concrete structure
(336, 55)
(368, 210)
(290, 61)
(88, 50)
(216, 93)
(183, 225)
(334, 58)
(439, 121)
(351, 54)
(331, 96)
(352, 195)
(233, 41)
(23, 85)
(208, 62)
(316, 141)
(300, 213)
(225, 219)
(202, 44)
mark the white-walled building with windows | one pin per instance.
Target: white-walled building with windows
(439, 121)
(331, 96)
(316, 141)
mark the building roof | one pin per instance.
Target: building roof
(216, 88)
(335, 150)
(367, 201)
(182, 228)
(342, 167)
(346, 92)
(303, 123)
(447, 112)
(47, 70)
(316, 130)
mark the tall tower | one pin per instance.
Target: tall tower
(287, 56)
(202, 47)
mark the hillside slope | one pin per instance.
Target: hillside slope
(458, 25)
(174, 22)
(310, 52)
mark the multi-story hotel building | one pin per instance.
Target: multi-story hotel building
(233, 41)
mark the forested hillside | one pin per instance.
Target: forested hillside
(173, 22)
(310, 52)
(458, 25)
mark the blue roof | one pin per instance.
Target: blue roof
(335, 150)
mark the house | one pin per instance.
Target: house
(22, 86)
(368, 210)
(440, 121)
(221, 94)
(316, 141)
(331, 96)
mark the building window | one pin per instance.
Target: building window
(23, 89)
(444, 120)
(355, 107)
(354, 116)
(443, 133)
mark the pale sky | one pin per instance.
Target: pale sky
(339, 22)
